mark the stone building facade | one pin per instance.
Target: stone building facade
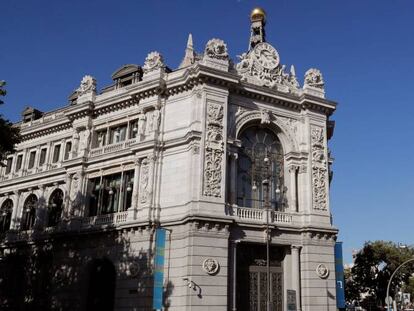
(228, 156)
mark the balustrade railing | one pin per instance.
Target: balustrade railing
(107, 219)
(112, 147)
(254, 214)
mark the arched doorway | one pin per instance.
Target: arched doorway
(55, 207)
(29, 212)
(5, 215)
(101, 287)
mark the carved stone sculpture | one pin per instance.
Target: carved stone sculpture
(313, 78)
(261, 66)
(216, 48)
(214, 150)
(153, 61)
(75, 194)
(156, 119)
(141, 123)
(265, 114)
(145, 191)
(319, 169)
(88, 85)
(84, 139)
(322, 271)
(211, 266)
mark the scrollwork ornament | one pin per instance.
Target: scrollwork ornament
(322, 271)
(265, 116)
(319, 170)
(153, 61)
(210, 266)
(87, 85)
(217, 49)
(313, 78)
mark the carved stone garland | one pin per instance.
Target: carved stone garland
(214, 150)
(319, 170)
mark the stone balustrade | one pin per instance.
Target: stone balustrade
(259, 215)
(112, 147)
(107, 219)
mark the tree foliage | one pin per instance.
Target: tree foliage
(9, 134)
(374, 264)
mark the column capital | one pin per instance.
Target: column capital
(293, 168)
(137, 161)
(295, 247)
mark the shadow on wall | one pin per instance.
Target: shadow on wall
(76, 273)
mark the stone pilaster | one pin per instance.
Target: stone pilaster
(296, 274)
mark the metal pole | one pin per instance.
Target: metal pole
(389, 282)
(266, 184)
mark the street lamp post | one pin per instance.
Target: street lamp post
(392, 276)
(266, 185)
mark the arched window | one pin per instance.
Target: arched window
(55, 207)
(5, 215)
(260, 169)
(29, 212)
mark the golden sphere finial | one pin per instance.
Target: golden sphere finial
(258, 14)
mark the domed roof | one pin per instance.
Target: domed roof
(258, 14)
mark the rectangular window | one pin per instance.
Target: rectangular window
(31, 159)
(68, 149)
(99, 139)
(9, 165)
(19, 162)
(42, 159)
(117, 134)
(56, 153)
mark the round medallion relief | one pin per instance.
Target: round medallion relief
(133, 269)
(322, 271)
(211, 266)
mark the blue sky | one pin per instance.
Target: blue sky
(365, 50)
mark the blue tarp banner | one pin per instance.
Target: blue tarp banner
(159, 269)
(339, 275)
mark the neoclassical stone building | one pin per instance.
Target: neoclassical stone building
(230, 157)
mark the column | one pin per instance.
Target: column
(15, 221)
(13, 167)
(49, 152)
(234, 290)
(36, 161)
(62, 150)
(295, 249)
(75, 144)
(292, 170)
(127, 136)
(134, 203)
(107, 136)
(41, 209)
(67, 196)
(233, 178)
(82, 189)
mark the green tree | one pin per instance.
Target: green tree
(9, 134)
(372, 269)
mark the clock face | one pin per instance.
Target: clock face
(266, 55)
